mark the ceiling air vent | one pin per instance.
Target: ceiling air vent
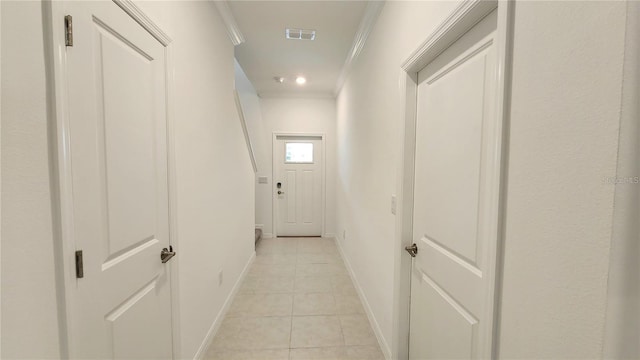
(300, 34)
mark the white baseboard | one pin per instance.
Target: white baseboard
(218, 320)
(267, 236)
(367, 308)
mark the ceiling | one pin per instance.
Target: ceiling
(266, 53)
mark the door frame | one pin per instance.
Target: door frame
(466, 15)
(61, 168)
(274, 198)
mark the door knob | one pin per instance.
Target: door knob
(280, 192)
(412, 250)
(167, 254)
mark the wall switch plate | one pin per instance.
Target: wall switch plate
(220, 277)
(394, 204)
(263, 180)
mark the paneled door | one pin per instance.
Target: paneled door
(117, 126)
(455, 217)
(298, 184)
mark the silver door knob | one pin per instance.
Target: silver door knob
(412, 250)
(167, 254)
(280, 192)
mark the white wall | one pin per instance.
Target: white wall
(214, 173)
(622, 332)
(564, 139)
(215, 180)
(29, 307)
(368, 133)
(565, 122)
(297, 115)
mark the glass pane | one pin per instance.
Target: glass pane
(299, 153)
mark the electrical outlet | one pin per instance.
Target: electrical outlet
(220, 277)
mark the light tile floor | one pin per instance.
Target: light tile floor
(297, 302)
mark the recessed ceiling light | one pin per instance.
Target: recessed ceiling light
(301, 80)
(279, 79)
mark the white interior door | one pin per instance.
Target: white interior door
(298, 185)
(117, 138)
(455, 217)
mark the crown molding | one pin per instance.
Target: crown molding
(371, 13)
(229, 22)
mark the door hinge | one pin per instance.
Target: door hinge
(68, 30)
(79, 265)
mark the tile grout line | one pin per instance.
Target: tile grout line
(332, 290)
(290, 332)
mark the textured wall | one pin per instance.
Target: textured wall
(29, 313)
(565, 119)
(622, 337)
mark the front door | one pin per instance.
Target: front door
(298, 185)
(117, 121)
(455, 212)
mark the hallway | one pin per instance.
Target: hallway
(297, 302)
(457, 179)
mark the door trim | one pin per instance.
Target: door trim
(61, 168)
(274, 198)
(461, 20)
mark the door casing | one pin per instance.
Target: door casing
(60, 159)
(274, 197)
(462, 19)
